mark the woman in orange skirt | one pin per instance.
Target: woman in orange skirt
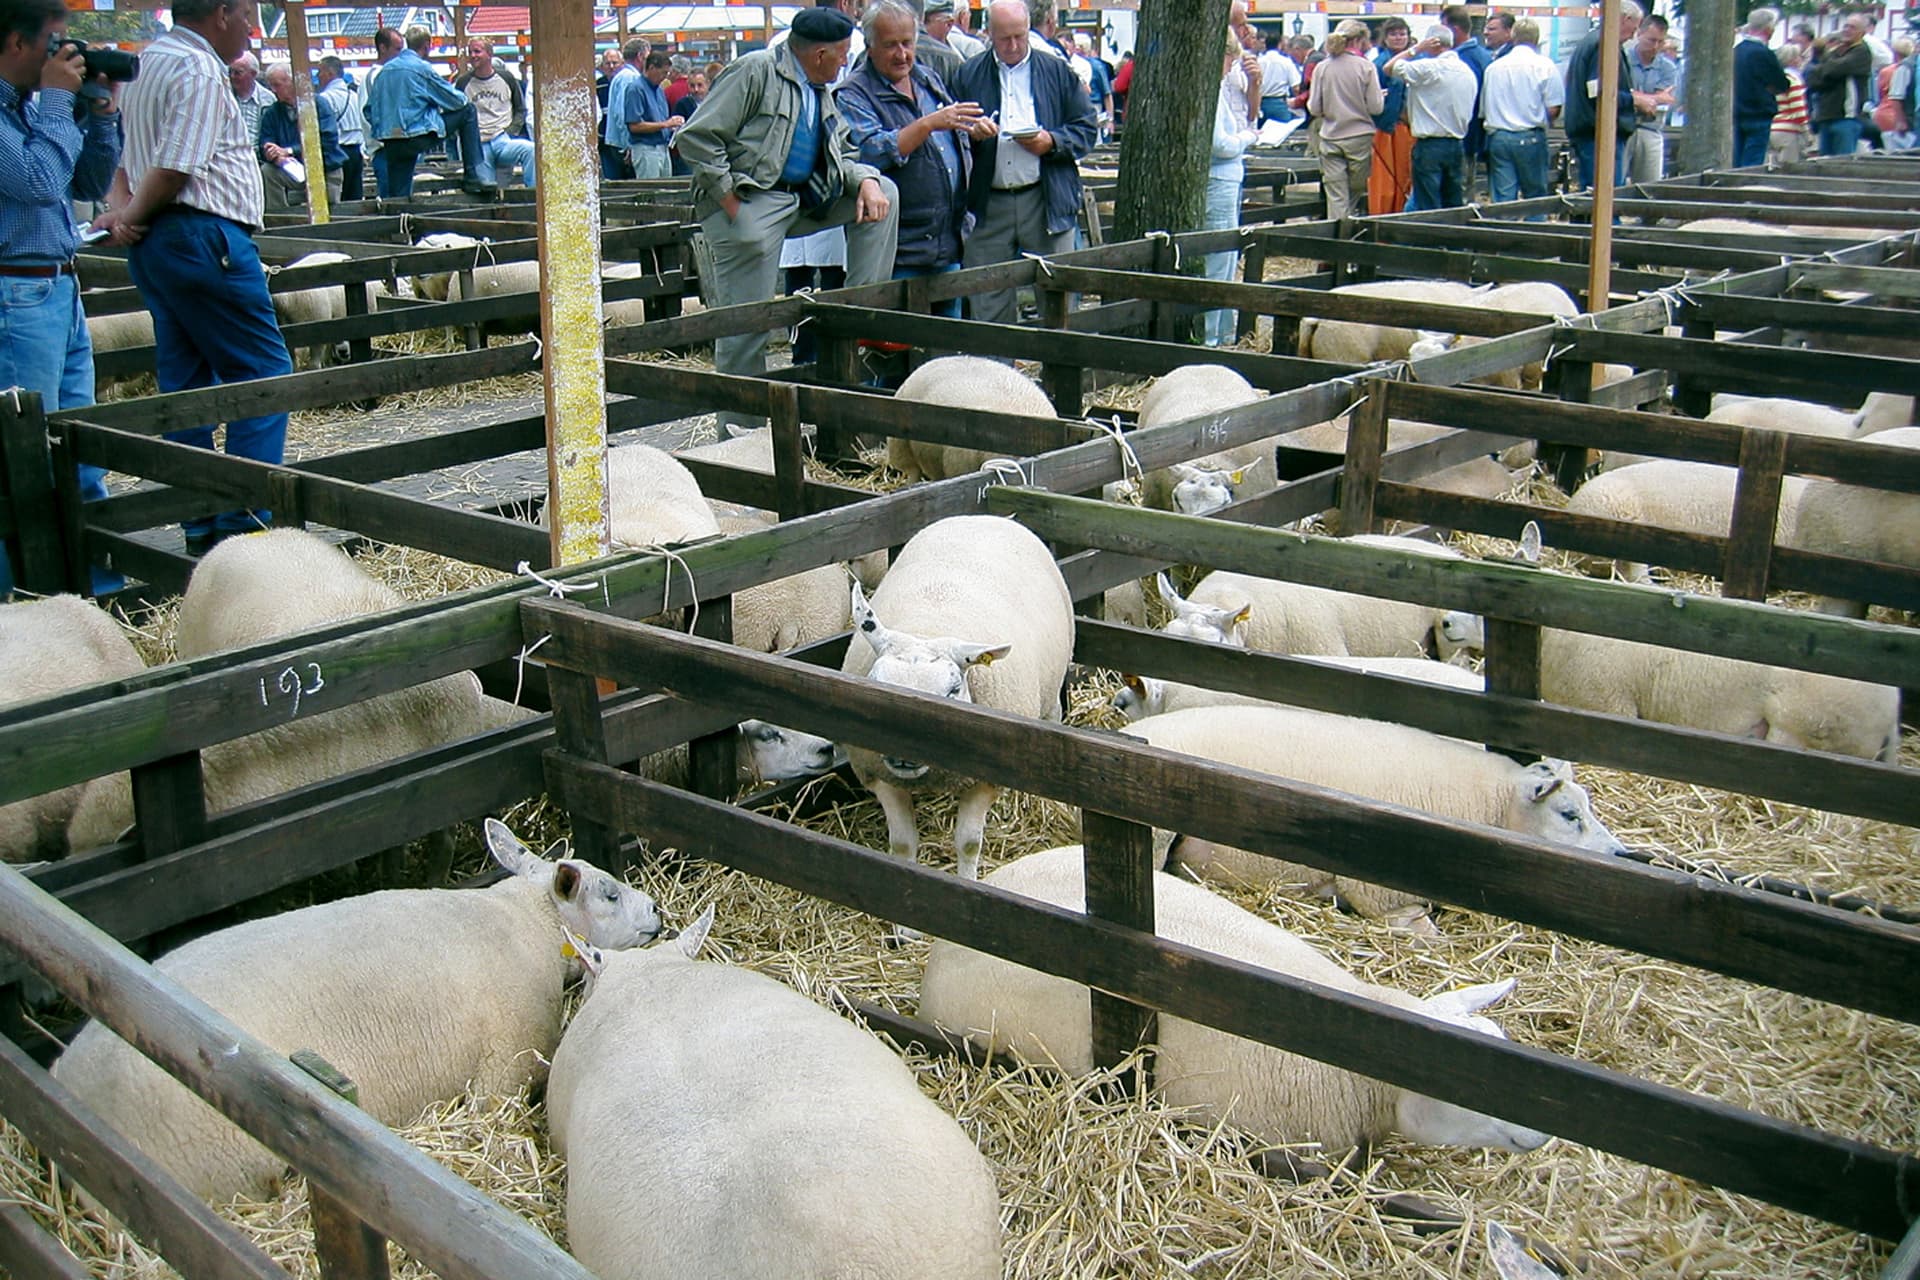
(1391, 180)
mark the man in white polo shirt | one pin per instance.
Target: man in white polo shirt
(1522, 95)
(1441, 92)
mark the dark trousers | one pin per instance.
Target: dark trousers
(353, 177)
(1439, 173)
(1583, 162)
(799, 278)
(213, 323)
(1750, 137)
(403, 154)
(613, 163)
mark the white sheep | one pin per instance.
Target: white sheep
(1292, 617)
(1692, 497)
(717, 1123)
(122, 331)
(489, 278)
(277, 583)
(1381, 761)
(1490, 476)
(1355, 342)
(976, 610)
(653, 500)
(961, 382)
(790, 611)
(1862, 523)
(304, 306)
(47, 647)
(1880, 412)
(1528, 297)
(1720, 695)
(1208, 483)
(1276, 1096)
(1142, 696)
(753, 451)
(418, 995)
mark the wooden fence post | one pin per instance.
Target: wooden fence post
(1756, 513)
(1065, 384)
(713, 761)
(1253, 270)
(26, 473)
(1366, 442)
(1165, 254)
(1119, 883)
(348, 1249)
(789, 451)
(1513, 668)
(1573, 382)
(578, 728)
(76, 572)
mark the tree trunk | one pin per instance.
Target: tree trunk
(1168, 140)
(1708, 142)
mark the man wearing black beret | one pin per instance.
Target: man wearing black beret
(771, 157)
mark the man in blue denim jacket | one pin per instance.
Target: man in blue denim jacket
(410, 108)
(51, 153)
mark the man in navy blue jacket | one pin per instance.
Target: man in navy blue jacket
(1583, 88)
(1758, 80)
(279, 140)
(1025, 189)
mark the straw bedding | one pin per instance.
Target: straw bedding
(1097, 1182)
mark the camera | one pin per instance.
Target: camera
(115, 64)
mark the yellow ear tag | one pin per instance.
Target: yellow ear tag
(1235, 476)
(985, 660)
(567, 951)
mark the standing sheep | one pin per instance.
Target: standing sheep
(1721, 695)
(1866, 524)
(717, 1123)
(418, 995)
(1692, 497)
(1206, 484)
(47, 647)
(1276, 1096)
(961, 382)
(277, 583)
(1381, 761)
(1292, 617)
(1880, 412)
(305, 306)
(1355, 342)
(987, 579)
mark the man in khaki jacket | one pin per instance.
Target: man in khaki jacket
(771, 158)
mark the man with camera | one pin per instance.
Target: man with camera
(187, 202)
(56, 145)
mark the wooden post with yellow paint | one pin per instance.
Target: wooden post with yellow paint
(299, 64)
(1606, 131)
(568, 203)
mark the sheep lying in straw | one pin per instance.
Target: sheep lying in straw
(1277, 1096)
(1694, 497)
(416, 994)
(1880, 412)
(1142, 696)
(717, 1123)
(1209, 483)
(1391, 762)
(47, 647)
(277, 583)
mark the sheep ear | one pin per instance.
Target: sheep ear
(1186, 471)
(867, 623)
(1136, 684)
(1510, 1258)
(1530, 542)
(1542, 780)
(509, 852)
(694, 935)
(1241, 618)
(984, 655)
(1168, 595)
(566, 881)
(1464, 1002)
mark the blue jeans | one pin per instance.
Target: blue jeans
(1223, 211)
(951, 307)
(1750, 136)
(1439, 173)
(1839, 137)
(213, 323)
(1517, 164)
(403, 154)
(1583, 162)
(503, 152)
(44, 347)
(1275, 109)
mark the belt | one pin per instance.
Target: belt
(178, 207)
(36, 271)
(1014, 191)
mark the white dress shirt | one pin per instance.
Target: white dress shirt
(1440, 94)
(1521, 86)
(181, 114)
(1015, 166)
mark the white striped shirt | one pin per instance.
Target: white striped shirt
(181, 114)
